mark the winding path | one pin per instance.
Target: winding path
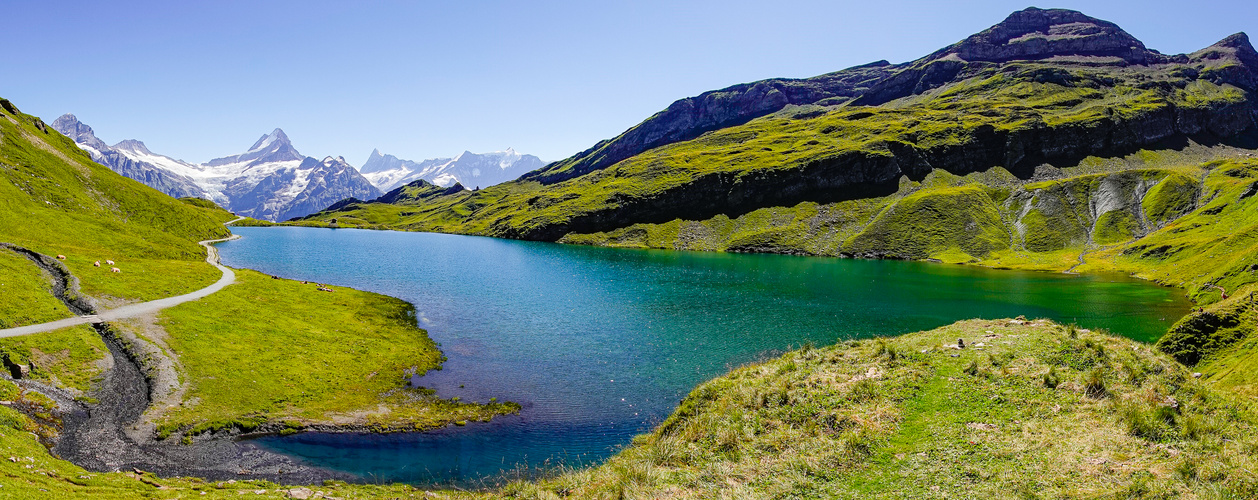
(142, 308)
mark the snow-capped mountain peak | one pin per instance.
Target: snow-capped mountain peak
(276, 136)
(134, 146)
(131, 159)
(271, 180)
(270, 148)
(470, 169)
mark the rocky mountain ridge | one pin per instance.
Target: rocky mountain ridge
(116, 159)
(1056, 36)
(270, 181)
(388, 172)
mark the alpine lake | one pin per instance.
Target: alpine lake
(601, 344)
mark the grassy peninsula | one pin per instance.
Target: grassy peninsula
(311, 358)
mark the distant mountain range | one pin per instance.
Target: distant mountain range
(121, 158)
(472, 170)
(271, 181)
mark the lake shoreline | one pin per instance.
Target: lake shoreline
(453, 375)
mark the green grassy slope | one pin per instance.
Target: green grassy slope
(1027, 409)
(55, 200)
(27, 293)
(72, 358)
(1031, 410)
(313, 358)
(1186, 225)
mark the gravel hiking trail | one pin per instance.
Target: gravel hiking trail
(130, 310)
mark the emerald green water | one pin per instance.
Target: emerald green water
(600, 344)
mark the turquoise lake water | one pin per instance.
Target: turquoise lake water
(600, 344)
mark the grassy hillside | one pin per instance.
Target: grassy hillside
(1186, 225)
(345, 359)
(27, 292)
(71, 358)
(1087, 163)
(55, 200)
(1030, 410)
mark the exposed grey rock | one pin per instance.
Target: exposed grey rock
(270, 181)
(149, 174)
(1043, 33)
(71, 127)
(1032, 34)
(16, 370)
(326, 182)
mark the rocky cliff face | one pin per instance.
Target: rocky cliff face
(866, 173)
(946, 217)
(1056, 36)
(1043, 87)
(690, 117)
(116, 159)
(1045, 46)
(71, 127)
(1033, 34)
(1064, 38)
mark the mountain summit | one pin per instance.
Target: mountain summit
(131, 159)
(1044, 33)
(270, 148)
(82, 134)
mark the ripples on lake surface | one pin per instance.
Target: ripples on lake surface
(600, 344)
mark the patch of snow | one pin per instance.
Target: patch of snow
(445, 180)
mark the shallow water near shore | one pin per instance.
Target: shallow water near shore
(600, 344)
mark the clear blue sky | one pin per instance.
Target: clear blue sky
(197, 80)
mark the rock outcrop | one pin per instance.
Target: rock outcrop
(1033, 34)
(690, 117)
